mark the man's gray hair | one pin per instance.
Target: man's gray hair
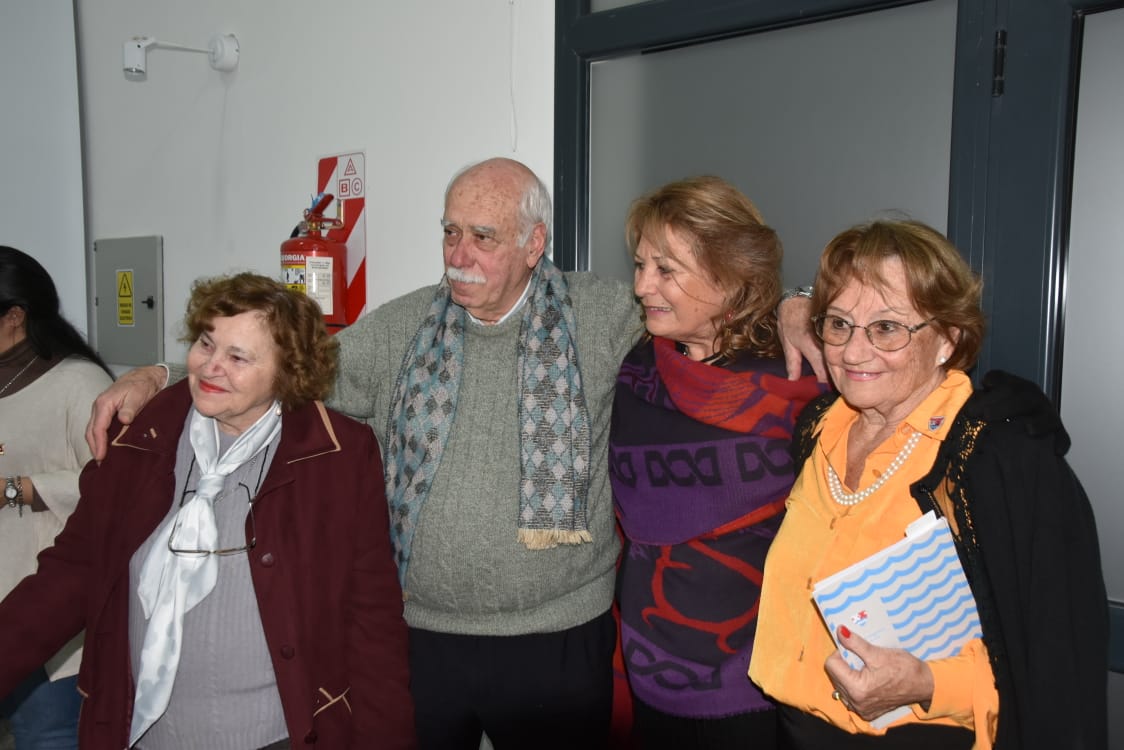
(535, 206)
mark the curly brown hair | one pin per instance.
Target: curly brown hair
(307, 353)
(733, 246)
(940, 283)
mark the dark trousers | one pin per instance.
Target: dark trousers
(801, 731)
(540, 690)
(656, 730)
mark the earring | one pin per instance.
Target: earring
(729, 315)
(942, 360)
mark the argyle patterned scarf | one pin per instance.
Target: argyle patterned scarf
(552, 412)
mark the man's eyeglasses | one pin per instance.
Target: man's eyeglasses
(886, 335)
(220, 552)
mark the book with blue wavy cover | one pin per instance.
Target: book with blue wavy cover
(912, 595)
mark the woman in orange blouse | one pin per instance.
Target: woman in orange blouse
(897, 310)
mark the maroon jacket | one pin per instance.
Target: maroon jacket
(322, 569)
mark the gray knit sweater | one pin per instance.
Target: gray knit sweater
(468, 574)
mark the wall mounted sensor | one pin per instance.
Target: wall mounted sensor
(135, 55)
(222, 52)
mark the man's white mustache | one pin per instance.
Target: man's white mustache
(464, 277)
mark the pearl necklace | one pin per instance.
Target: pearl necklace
(17, 377)
(854, 498)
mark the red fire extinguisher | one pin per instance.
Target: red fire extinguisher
(313, 264)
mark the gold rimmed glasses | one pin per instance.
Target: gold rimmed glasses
(218, 552)
(886, 335)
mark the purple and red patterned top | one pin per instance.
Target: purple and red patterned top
(700, 468)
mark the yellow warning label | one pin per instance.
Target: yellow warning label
(125, 298)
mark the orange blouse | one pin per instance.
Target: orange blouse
(820, 537)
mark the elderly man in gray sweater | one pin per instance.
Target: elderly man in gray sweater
(491, 394)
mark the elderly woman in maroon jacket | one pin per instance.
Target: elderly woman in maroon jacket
(229, 560)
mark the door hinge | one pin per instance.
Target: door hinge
(999, 63)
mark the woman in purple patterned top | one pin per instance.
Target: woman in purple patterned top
(699, 462)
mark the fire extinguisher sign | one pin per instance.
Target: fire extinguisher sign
(345, 176)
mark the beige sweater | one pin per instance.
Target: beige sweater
(42, 429)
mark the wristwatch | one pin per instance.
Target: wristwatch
(787, 294)
(798, 291)
(13, 491)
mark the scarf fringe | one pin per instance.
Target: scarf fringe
(537, 539)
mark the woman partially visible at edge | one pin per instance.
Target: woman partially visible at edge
(49, 376)
(230, 558)
(898, 311)
(698, 446)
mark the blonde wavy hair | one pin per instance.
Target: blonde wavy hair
(731, 244)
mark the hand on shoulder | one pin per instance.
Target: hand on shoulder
(124, 399)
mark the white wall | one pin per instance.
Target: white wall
(40, 145)
(222, 165)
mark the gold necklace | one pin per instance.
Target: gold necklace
(17, 377)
